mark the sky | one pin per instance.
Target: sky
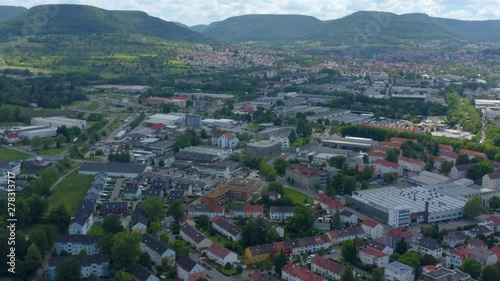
(193, 12)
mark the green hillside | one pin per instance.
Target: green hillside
(84, 20)
(8, 12)
(199, 27)
(271, 28)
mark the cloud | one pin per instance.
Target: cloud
(193, 12)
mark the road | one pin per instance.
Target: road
(116, 190)
(216, 275)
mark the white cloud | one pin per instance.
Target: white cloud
(192, 12)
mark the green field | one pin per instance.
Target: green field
(69, 192)
(7, 154)
(96, 229)
(52, 150)
(297, 197)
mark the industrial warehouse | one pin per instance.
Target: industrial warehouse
(402, 207)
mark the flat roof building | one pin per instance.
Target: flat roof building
(350, 143)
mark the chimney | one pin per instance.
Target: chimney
(426, 212)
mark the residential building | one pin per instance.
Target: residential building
(396, 234)
(305, 176)
(223, 169)
(195, 238)
(157, 250)
(186, 187)
(154, 192)
(261, 252)
(375, 155)
(410, 164)
(445, 274)
(494, 221)
(372, 256)
(280, 213)
(234, 192)
(210, 211)
(342, 235)
(454, 239)
(328, 203)
(285, 144)
(227, 228)
(143, 274)
(373, 229)
(248, 211)
(114, 208)
(449, 156)
(492, 181)
(379, 246)
(138, 221)
(74, 244)
(445, 147)
(327, 267)
(221, 255)
(460, 171)
(83, 219)
(177, 195)
(456, 257)
(132, 192)
(264, 148)
(292, 272)
(90, 264)
(189, 270)
(429, 246)
(471, 153)
(396, 271)
(223, 139)
(348, 217)
(262, 276)
(12, 137)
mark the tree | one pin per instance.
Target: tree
(36, 142)
(390, 177)
(365, 185)
(47, 142)
(239, 269)
(161, 163)
(368, 171)
(292, 137)
(401, 246)
(276, 187)
(180, 247)
(429, 260)
(153, 209)
(203, 222)
(472, 267)
(60, 217)
(60, 139)
(123, 276)
(68, 270)
(164, 238)
(349, 251)
(37, 207)
(112, 225)
(337, 161)
(302, 221)
(336, 221)
(378, 275)
(348, 274)
(176, 209)
(125, 250)
(392, 155)
(474, 207)
(477, 171)
(228, 266)
(272, 235)
(490, 273)
(304, 128)
(153, 228)
(145, 260)
(279, 261)
(445, 167)
(280, 166)
(33, 259)
(410, 258)
(494, 202)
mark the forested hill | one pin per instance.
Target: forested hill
(357, 28)
(8, 12)
(82, 20)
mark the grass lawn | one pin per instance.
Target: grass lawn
(34, 228)
(96, 229)
(93, 105)
(7, 154)
(216, 239)
(69, 192)
(52, 150)
(297, 197)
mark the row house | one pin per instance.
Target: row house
(221, 255)
(248, 211)
(375, 155)
(471, 153)
(327, 267)
(262, 276)
(402, 140)
(381, 149)
(157, 250)
(90, 265)
(114, 208)
(75, 244)
(143, 274)
(261, 252)
(390, 144)
(195, 238)
(83, 219)
(132, 192)
(348, 217)
(372, 256)
(460, 171)
(292, 272)
(138, 221)
(280, 213)
(385, 166)
(210, 211)
(445, 147)
(227, 228)
(438, 161)
(328, 203)
(306, 245)
(373, 229)
(410, 164)
(189, 270)
(342, 235)
(449, 156)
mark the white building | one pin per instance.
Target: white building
(285, 143)
(226, 228)
(41, 132)
(385, 166)
(75, 244)
(372, 256)
(157, 250)
(373, 229)
(396, 271)
(170, 119)
(225, 140)
(327, 267)
(55, 122)
(399, 216)
(82, 221)
(410, 164)
(492, 181)
(348, 217)
(221, 255)
(280, 213)
(429, 246)
(195, 238)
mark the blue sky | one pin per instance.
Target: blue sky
(193, 12)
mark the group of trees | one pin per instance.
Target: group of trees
(188, 138)
(119, 156)
(462, 112)
(486, 273)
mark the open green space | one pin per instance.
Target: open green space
(296, 196)
(217, 239)
(7, 154)
(69, 192)
(52, 150)
(88, 105)
(96, 229)
(34, 228)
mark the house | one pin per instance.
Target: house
(342, 235)
(187, 187)
(429, 246)
(12, 137)
(449, 156)
(396, 271)
(306, 245)
(496, 250)
(272, 195)
(372, 256)
(348, 217)
(477, 243)
(223, 139)
(90, 264)
(83, 219)
(375, 155)
(143, 274)
(261, 252)
(157, 250)
(471, 153)
(385, 166)
(221, 255)
(210, 211)
(195, 238)
(460, 171)
(401, 140)
(454, 239)
(248, 211)
(132, 192)
(187, 219)
(138, 221)
(74, 244)
(379, 246)
(262, 276)
(445, 147)
(154, 192)
(373, 229)
(494, 221)
(272, 225)
(438, 161)
(396, 234)
(492, 181)
(280, 213)
(456, 257)
(227, 228)
(114, 208)
(410, 164)
(292, 272)
(189, 270)
(177, 195)
(306, 176)
(445, 274)
(327, 267)
(328, 203)
(481, 229)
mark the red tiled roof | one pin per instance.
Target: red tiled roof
(180, 98)
(449, 154)
(301, 273)
(495, 250)
(389, 144)
(410, 160)
(229, 135)
(329, 265)
(402, 140)
(373, 252)
(477, 243)
(399, 233)
(386, 163)
(370, 223)
(380, 148)
(332, 203)
(12, 135)
(304, 170)
(376, 154)
(439, 159)
(253, 208)
(446, 147)
(219, 251)
(462, 252)
(494, 219)
(429, 267)
(471, 152)
(157, 126)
